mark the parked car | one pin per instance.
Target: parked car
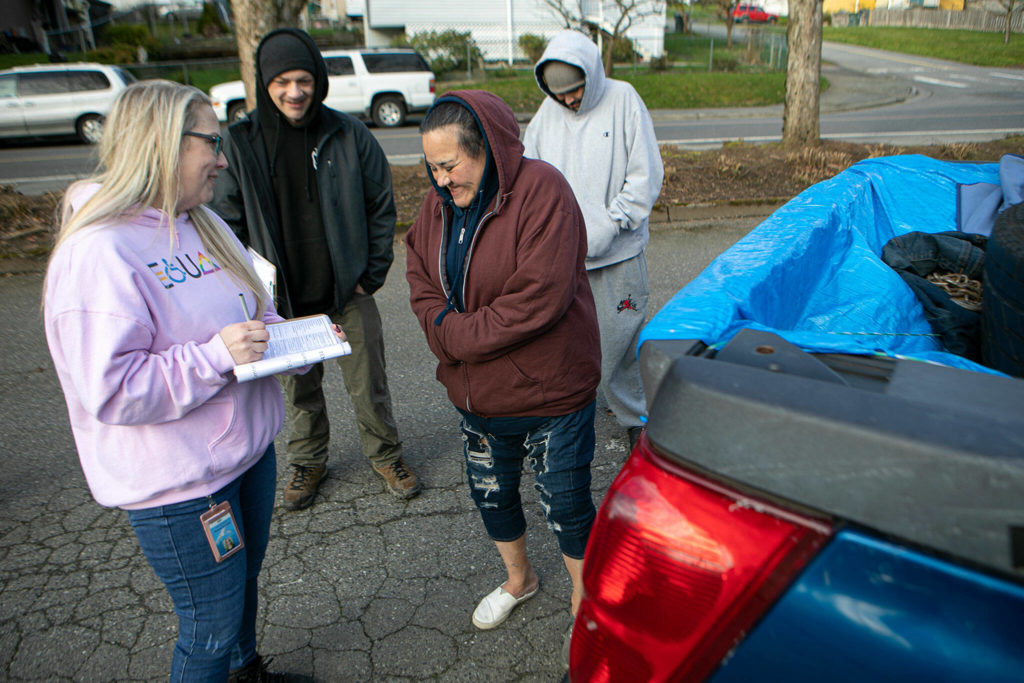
(383, 85)
(59, 99)
(821, 492)
(753, 14)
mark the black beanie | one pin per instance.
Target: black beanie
(284, 52)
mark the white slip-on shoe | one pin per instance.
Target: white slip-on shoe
(496, 606)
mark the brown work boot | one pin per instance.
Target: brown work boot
(400, 479)
(302, 485)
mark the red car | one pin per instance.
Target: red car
(753, 14)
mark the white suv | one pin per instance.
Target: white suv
(380, 84)
(59, 99)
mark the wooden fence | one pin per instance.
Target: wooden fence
(971, 19)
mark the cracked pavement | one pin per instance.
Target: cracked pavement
(361, 586)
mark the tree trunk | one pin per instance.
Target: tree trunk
(800, 125)
(1009, 21)
(609, 55)
(253, 20)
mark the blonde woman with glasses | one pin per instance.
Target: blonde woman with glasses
(149, 303)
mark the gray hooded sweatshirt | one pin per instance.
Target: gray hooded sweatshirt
(607, 151)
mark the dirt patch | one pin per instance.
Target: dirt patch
(739, 174)
(736, 178)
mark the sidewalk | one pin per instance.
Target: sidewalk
(848, 91)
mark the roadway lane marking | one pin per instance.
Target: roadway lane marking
(1011, 76)
(405, 159)
(936, 81)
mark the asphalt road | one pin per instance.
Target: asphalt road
(359, 587)
(875, 97)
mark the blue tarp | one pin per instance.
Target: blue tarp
(812, 272)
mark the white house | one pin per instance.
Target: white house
(496, 25)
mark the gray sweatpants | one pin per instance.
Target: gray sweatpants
(621, 292)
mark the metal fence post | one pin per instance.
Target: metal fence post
(711, 55)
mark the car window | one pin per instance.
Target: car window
(80, 81)
(391, 62)
(339, 66)
(8, 83)
(42, 83)
(126, 77)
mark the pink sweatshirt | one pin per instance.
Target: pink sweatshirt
(132, 320)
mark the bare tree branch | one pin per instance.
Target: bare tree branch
(724, 8)
(569, 13)
(613, 20)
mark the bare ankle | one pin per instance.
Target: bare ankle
(521, 587)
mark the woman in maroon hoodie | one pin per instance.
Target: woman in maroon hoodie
(497, 281)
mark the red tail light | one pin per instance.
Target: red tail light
(432, 86)
(678, 569)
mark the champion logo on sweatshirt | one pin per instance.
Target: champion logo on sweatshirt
(180, 268)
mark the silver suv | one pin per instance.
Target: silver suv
(380, 84)
(59, 99)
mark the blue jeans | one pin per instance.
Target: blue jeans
(559, 451)
(215, 602)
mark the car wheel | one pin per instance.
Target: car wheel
(236, 111)
(388, 111)
(90, 128)
(1002, 313)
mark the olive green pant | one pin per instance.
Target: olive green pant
(366, 383)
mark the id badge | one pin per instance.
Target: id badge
(221, 531)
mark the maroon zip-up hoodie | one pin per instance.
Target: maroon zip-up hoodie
(527, 343)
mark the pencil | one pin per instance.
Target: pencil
(245, 309)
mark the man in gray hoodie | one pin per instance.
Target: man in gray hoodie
(597, 132)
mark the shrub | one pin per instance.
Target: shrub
(661, 63)
(447, 50)
(210, 22)
(504, 72)
(114, 54)
(533, 46)
(127, 34)
(623, 51)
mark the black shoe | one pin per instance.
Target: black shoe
(256, 672)
(634, 436)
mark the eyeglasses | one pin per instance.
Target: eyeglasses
(216, 140)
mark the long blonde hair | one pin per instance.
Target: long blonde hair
(139, 155)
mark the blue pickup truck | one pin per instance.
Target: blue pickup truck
(822, 492)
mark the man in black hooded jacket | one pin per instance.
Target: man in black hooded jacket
(309, 188)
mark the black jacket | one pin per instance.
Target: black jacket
(354, 181)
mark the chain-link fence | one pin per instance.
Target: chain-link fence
(461, 50)
(202, 73)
